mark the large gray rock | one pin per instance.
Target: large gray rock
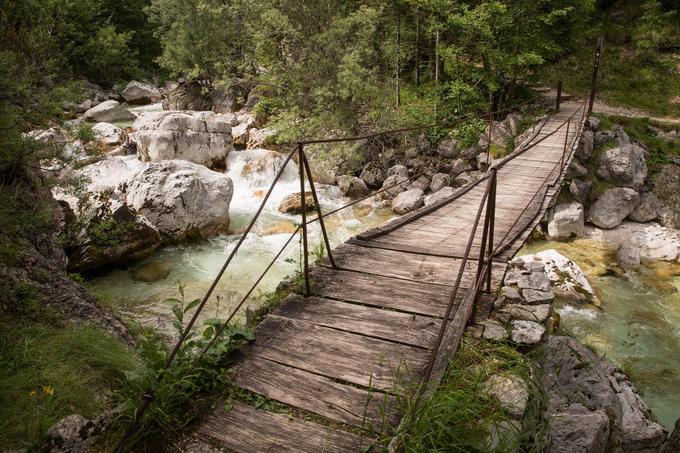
(141, 93)
(399, 170)
(200, 137)
(577, 429)
(100, 177)
(577, 170)
(613, 207)
(523, 312)
(352, 186)
(422, 183)
(566, 220)
(182, 199)
(108, 112)
(648, 209)
(109, 233)
(408, 201)
(578, 382)
(625, 166)
(512, 123)
(373, 175)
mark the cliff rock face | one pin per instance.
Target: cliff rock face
(40, 270)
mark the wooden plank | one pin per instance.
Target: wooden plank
(371, 411)
(419, 298)
(341, 356)
(388, 325)
(245, 429)
(389, 263)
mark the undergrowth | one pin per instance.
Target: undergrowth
(460, 413)
(178, 390)
(48, 371)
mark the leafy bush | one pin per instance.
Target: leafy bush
(177, 388)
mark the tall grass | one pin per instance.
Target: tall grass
(48, 372)
(458, 416)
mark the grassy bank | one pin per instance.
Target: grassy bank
(48, 371)
(460, 413)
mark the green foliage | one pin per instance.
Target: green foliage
(657, 29)
(110, 232)
(457, 416)
(189, 378)
(50, 371)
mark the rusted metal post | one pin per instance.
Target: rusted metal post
(596, 73)
(564, 151)
(303, 206)
(485, 231)
(558, 98)
(308, 170)
(492, 223)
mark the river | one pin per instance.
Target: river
(636, 325)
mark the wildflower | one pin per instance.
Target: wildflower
(32, 394)
(48, 390)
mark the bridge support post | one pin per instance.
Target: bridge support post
(558, 98)
(303, 206)
(492, 224)
(327, 243)
(596, 73)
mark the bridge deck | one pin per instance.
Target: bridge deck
(340, 356)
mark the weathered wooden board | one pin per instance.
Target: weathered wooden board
(341, 356)
(317, 394)
(388, 325)
(245, 429)
(377, 291)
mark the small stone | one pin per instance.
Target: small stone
(505, 436)
(576, 170)
(439, 181)
(536, 313)
(421, 183)
(494, 331)
(448, 149)
(459, 166)
(580, 189)
(648, 209)
(511, 293)
(527, 332)
(534, 280)
(532, 296)
(593, 123)
(398, 170)
(393, 186)
(439, 195)
(566, 220)
(373, 175)
(352, 186)
(628, 256)
(408, 201)
(511, 391)
(292, 203)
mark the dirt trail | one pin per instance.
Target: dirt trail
(601, 107)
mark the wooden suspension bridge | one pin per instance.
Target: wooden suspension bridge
(388, 308)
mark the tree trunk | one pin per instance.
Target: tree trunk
(398, 60)
(417, 75)
(436, 56)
